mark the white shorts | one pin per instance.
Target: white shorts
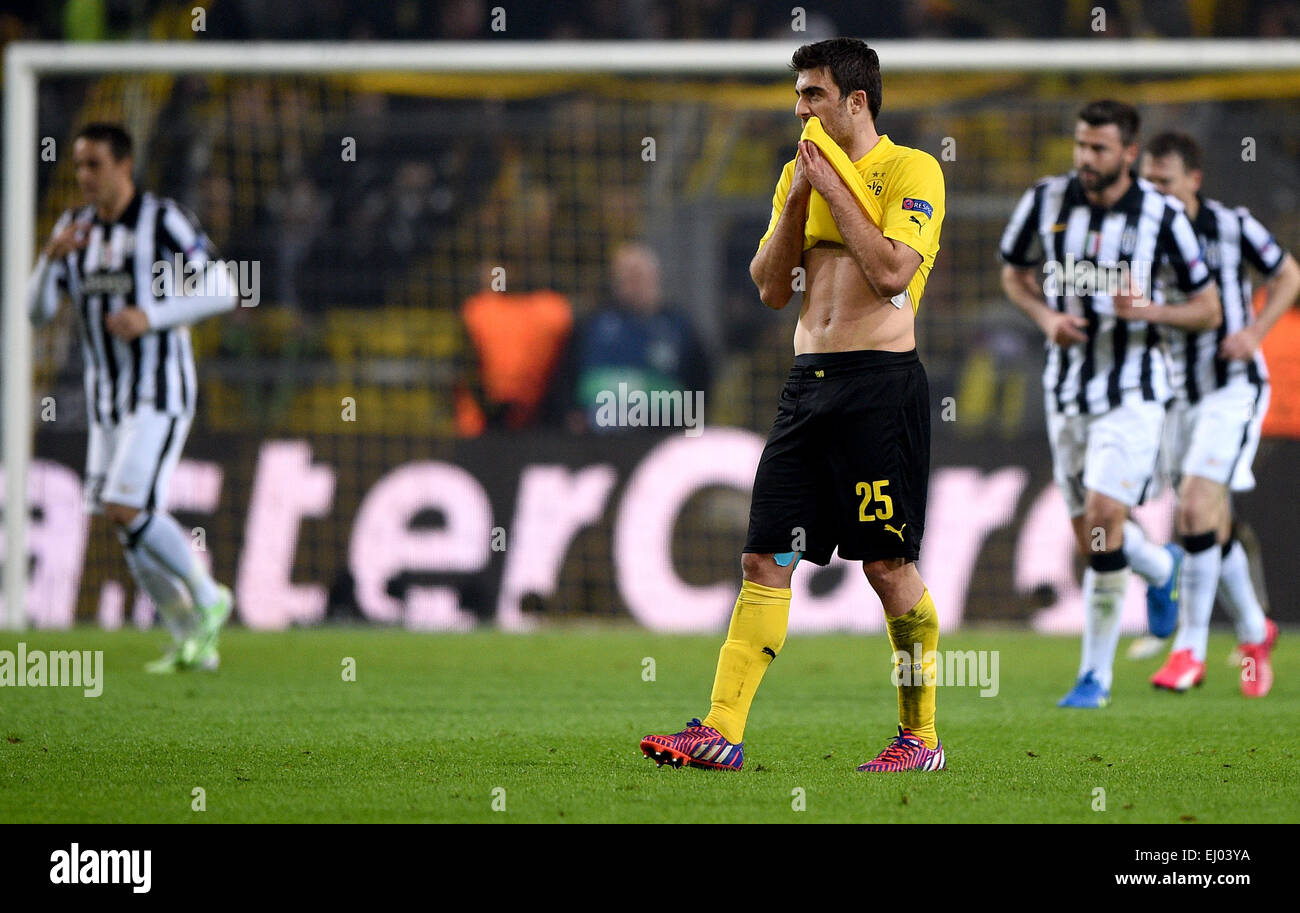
(1216, 438)
(131, 463)
(1113, 453)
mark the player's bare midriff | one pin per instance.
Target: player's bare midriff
(841, 311)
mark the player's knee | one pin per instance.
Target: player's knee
(751, 565)
(764, 570)
(886, 575)
(1199, 508)
(1196, 517)
(1103, 525)
(120, 514)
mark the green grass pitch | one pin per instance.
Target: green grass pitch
(436, 726)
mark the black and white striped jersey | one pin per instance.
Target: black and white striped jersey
(133, 262)
(1232, 240)
(1056, 227)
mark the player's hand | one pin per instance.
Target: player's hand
(1130, 306)
(1066, 329)
(74, 236)
(799, 186)
(127, 324)
(1241, 345)
(821, 173)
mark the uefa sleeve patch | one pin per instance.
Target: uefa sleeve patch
(919, 205)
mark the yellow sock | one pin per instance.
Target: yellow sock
(754, 638)
(916, 701)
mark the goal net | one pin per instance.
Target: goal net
(336, 468)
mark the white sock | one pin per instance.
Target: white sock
(1103, 598)
(163, 537)
(168, 594)
(1153, 563)
(1199, 583)
(1237, 590)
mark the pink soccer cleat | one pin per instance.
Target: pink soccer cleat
(1180, 672)
(698, 745)
(907, 752)
(1257, 664)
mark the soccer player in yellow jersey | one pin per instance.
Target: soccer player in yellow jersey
(855, 223)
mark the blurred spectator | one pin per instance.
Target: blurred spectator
(301, 211)
(636, 338)
(463, 20)
(392, 225)
(940, 19)
(1280, 19)
(517, 340)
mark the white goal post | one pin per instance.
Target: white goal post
(26, 63)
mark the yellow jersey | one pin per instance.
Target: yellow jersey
(899, 188)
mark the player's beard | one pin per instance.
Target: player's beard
(1100, 181)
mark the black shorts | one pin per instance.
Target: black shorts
(848, 460)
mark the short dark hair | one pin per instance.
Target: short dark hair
(852, 65)
(1171, 142)
(1108, 111)
(119, 141)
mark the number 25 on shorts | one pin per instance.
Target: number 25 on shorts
(884, 503)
